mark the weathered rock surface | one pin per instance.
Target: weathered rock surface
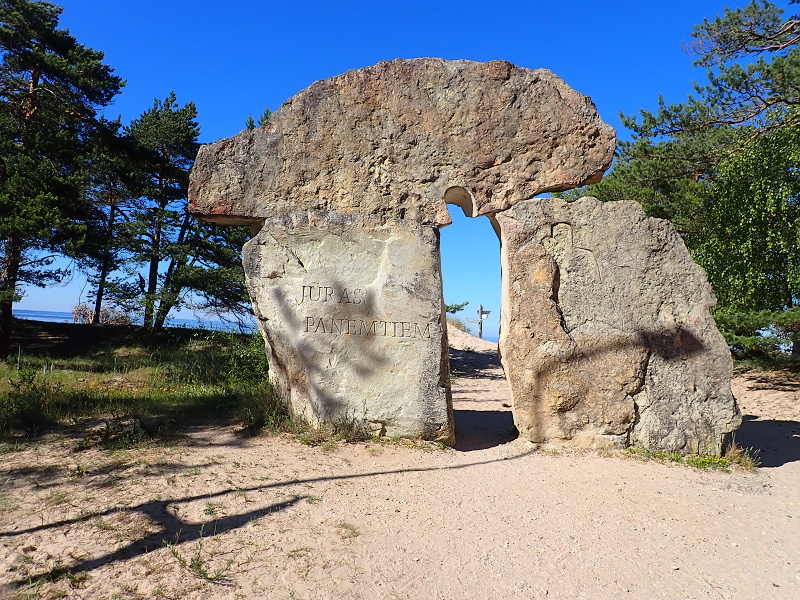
(348, 183)
(351, 311)
(606, 336)
(393, 138)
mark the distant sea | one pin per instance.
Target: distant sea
(65, 317)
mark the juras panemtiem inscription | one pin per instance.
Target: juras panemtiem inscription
(395, 329)
(346, 187)
(349, 326)
(326, 293)
(341, 326)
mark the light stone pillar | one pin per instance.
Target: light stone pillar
(351, 310)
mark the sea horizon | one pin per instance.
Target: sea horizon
(53, 316)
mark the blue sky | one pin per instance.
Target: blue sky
(235, 58)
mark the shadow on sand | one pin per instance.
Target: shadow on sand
(480, 429)
(171, 528)
(778, 442)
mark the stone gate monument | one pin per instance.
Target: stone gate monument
(606, 336)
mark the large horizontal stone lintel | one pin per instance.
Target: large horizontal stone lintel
(393, 138)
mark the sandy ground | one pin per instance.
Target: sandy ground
(223, 516)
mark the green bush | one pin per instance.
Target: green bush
(258, 409)
(458, 324)
(32, 400)
(247, 362)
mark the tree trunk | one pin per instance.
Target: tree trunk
(9, 273)
(168, 300)
(150, 294)
(5, 328)
(170, 290)
(101, 287)
(105, 266)
(795, 342)
(152, 277)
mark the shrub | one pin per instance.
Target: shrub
(258, 409)
(458, 324)
(83, 313)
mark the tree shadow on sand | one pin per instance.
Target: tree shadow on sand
(480, 429)
(778, 442)
(173, 529)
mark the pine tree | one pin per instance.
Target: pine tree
(762, 95)
(182, 258)
(50, 90)
(250, 123)
(168, 134)
(115, 183)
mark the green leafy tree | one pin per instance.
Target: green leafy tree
(51, 88)
(724, 167)
(746, 223)
(750, 243)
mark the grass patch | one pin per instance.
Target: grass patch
(692, 460)
(746, 459)
(103, 526)
(142, 385)
(213, 508)
(347, 530)
(198, 564)
(7, 503)
(58, 497)
(350, 429)
(9, 447)
(707, 461)
(123, 387)
(458, 323)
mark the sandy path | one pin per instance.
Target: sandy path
(491, 519)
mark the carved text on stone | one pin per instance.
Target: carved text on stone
(376, 328)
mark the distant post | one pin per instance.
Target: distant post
(482, 314)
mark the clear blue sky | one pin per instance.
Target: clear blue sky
(234, 58)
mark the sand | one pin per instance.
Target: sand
(224, 516)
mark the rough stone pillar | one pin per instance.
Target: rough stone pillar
(606, 336)
(351, 311)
